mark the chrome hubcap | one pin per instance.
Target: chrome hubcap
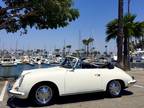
(43, 94)
(115, 88)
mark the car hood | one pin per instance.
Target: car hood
(51, 69)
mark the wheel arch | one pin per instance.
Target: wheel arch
(121, 82)
(53, 85)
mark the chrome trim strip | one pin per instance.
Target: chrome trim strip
(82, 92)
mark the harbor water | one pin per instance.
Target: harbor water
(15, 71)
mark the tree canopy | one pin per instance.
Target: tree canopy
(87, 42)
(130, 28)
(20, 15)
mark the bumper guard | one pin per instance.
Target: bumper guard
(13, 92)
(130, 83)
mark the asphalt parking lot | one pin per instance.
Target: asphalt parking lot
(132, 97)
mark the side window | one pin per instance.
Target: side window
(84, 65)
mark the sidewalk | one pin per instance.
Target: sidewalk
(138, 74)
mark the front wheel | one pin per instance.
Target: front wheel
(114, 88)
(43, 95)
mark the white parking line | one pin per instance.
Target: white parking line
(139, 86)
(3, 91)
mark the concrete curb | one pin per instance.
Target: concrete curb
(137, 69)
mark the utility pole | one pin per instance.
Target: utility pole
(79, 42)
(129, 1)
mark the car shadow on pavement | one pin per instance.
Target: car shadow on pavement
(14, 102)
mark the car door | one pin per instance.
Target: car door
(82, 80)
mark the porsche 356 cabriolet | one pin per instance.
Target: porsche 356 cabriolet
(72, 76)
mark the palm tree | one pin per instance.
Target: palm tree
(143, 42)
(106, 49)
(57, 51)
(87, 42)
(140, 43)
(130, 29)
(77, 53)
(120, 34)
(68, 47)
(126, 46)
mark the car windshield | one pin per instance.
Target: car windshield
(68, 62)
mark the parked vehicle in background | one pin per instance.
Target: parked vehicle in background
(114, 58)
(73, 76)
(138, 56)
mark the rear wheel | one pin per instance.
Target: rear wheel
(114, 88)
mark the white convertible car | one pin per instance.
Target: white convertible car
(73, 76)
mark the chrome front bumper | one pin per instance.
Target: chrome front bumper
(14, 92)
(132, 82)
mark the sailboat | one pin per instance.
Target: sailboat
(7, 60)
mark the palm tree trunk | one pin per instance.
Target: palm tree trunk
(120, 35)
(69, 51)
(142, 42)
(129, 1)
(126, 46)
(87, 50)
(126, 54)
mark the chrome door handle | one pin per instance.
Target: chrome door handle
(97, 75)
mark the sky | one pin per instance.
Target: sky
(94, 15)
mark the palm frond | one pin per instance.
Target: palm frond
(111, 30)
(130, 28)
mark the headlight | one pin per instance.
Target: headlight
(20, 80)
(18, 83)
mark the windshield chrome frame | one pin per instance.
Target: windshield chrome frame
(73, 67)
(77, 60)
